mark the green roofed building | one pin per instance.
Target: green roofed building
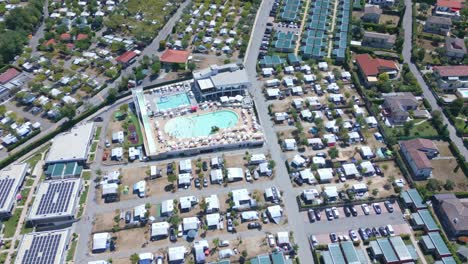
(63, 170)
(433, 243)
(262, 259)
(413, 200)
(350, 253)
(271, 61)
(336, 254)
(294, 60)
(424, 219)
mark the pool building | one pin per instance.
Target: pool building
(175, 123)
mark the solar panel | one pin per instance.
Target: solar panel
(42, 250)
(5, 188)
(56, 199)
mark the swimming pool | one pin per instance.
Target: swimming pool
(200, 125)
(172, 101)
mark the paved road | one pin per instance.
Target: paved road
(407, 46)
(282, 178)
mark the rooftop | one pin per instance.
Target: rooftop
(48, 246)
(8, 75)
(175, 56)
(126, 57)
(55, 199)
(373, 67)
(455, 209)
(452, 71)
(11, 179)
(72, 145)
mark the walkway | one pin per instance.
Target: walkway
(330, 37)
(304, 18)
(427, 93)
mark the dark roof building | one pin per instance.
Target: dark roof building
(398, 105)
(417, 153)
(453, 214)
(455, 47)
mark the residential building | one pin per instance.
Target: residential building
(438, 25)
(378, 40)
(55, 204)
(8, 75)
(452, 77)
(452, 213)
(396, 106)
(11, 181)
(127, 58)
(216, 81)
(412, 199)
(448, 8)
(417, 153)
(172, 57)
(371, 14)
(455, 48)
(370, 68)
(159, 230)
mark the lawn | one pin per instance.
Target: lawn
(3, 257)
(424, 129)
(91, 157)
(461, 126)
(32, 161)
(98, 133)
(26, 230)
(134, 121)
(86, 175)
(29, 182)
(94, 147)
(71, 251)
(84, 195)
(12, 223)
(24, 196)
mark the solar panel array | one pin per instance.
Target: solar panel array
(43, 250)
(342, 27)
(291, 10)
(57, 198)
(5, 188)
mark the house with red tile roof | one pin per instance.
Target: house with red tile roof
(171, 56)
(50, 42)
(127, 58)
(449, 8)
(370, 68)
(65, 37)
(8, 75)
(81, 36)
(450, 78)
(417, 153)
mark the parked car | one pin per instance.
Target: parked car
(353, 235)
(169, 168)
(389, 206)
(197, 183)
(365, 209)
(254, 225)
(390, 230)
(369, 232)
(375, 232)
(336, 214)
(248, 176)
(329, 214)
(298, 180)
(313, 241)
(333, 237)
(318, 214)
(107, 143)
(204, 166)
(128, 217)
(353, 210)
(230, 226)
(378, 171)
(223, 243)
(311, 214)
(172, 235)
(363, 234)
(271, 240)
(383, 231)
(205, 182)
(347, 211)
(265, 218)
(180, 231)
(377, 208)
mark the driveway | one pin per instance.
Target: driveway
(407, 47)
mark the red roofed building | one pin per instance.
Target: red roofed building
(418, 153)
(8, 75)
(81, 36)
(127, 58)
(370, 68)
(449, 8)
(50, 42)
(65, 37)
(451, 77)
(70, 45)
(175, 56)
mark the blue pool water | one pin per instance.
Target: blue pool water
(200, 125)
(172, 101)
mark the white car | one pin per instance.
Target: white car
(180, 231)
(224, 243)
(248, 176)
(336, 214)
(353, 235)
(365, 209)
(271, 240)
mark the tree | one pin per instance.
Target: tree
(456, 106)
(68, 110)
(375, 192)
(449, 185)
(134, 258)
(156, 67)
(162, 44)
(175, 220)
(407, 127)
(433, 185)
(333, 152)
(112, 95)
(191, 66)
(171, 178)
(124, 108)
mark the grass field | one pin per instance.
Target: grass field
(29, 182)
(134, 120)
(86, 175)
(24, 196)
(94, 147)
(71, 251)
(425, 129)
(3, 257)
(12, 223)
(98, 133)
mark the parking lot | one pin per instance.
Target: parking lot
(341, 226)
